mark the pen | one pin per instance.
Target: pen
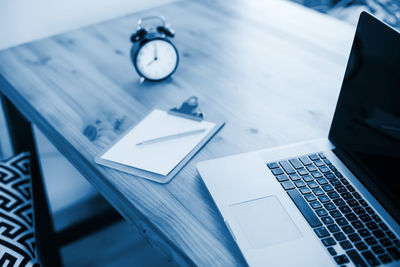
(169, 137)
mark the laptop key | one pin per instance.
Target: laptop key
(385, 258)
(282, 178)
(372, 226)
(359, 210)
(341, 189)
(324, 198)
(322, 155)
(329, 175)
(363, 202)
(365, 218)
(344, 209)
(335, 213)
(321, 212)
(394, 252)
(333, 195)
(304, 208)
(305, 160)
(321, 232)
(287, 167)
(322, 181)
(370, 258)
(361, 246)
(316, 204)
(378, 249)
(333, 228)
(352, 203)
(341, 259)
(357, 224)
(346, 245)
(329, 206)
(316, 174)
(332, 251)
(329, 241)
(386, 242)
(318, 192)
(313, 157)
(378, 233)
(348, 229)
(376, 218)
(287, 185)
(354, 237)
(341, 221)
(339, 236)
(383, 226)
(339, 202)
(364, 232)
(319, 163)
(311, 168)
(327, 187)
(369, 210)
(391, 235)
(334, 182)
(327, 162)
(296, 163)
(370, 241)
(350, 188)
(324, 169)
(272, 165)
(300, 183)
(313, 185)
(277, 171)
(351, 216)
(356, 258)
(327, 220)
(302, 171)
(307, 178)
(346, 196)
(338, 174)
(294, 177)
(305, 190)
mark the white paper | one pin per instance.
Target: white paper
(160, 157)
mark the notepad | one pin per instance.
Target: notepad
(158, 161)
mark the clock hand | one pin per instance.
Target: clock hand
(155, 51)
(151, 62)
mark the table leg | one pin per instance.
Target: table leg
(21, 135)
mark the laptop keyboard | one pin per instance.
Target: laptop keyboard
(344, 222)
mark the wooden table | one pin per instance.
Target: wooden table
(271, 70)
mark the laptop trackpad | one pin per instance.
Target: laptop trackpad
(265, 222)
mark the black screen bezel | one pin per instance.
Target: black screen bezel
(358, 170)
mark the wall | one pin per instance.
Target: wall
(26, 20)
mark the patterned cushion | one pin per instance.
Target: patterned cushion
(17, 242)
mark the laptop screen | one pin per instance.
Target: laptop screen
(366, 124)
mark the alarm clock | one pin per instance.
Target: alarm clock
(153, 55)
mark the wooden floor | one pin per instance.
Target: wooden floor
(117, 245)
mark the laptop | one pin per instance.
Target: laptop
(327, 202)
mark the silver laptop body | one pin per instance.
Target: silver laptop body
(267, 224)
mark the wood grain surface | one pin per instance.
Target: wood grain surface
(271, 70)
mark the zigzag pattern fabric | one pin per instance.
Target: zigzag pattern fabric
(17, 242)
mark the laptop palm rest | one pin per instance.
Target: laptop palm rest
(265, 222)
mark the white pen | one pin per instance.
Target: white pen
(169, 137)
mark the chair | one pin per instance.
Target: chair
(47, 240)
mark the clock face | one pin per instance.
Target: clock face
(156, 59)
